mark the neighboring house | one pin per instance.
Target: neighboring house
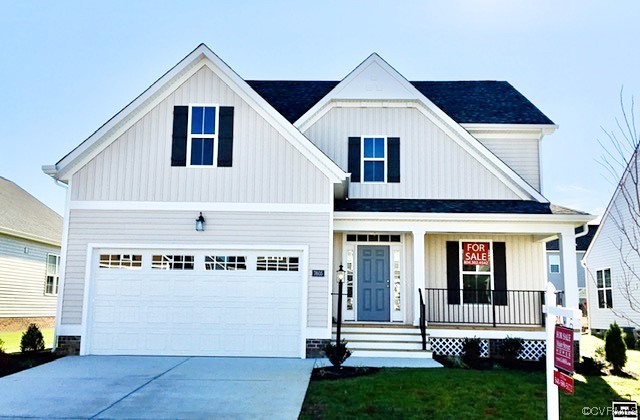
(30, 238)
(554, 261)
(612, 261)
(417, 189)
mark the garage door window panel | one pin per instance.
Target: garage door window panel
(278, 264)
(225, 262)
(126, 261)
(172, 262)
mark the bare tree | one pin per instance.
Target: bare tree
(620, 159)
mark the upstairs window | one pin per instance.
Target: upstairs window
(603, 283)
(53, 275)
(374, 159)
(202, 139)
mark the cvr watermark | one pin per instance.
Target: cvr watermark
(619, 410)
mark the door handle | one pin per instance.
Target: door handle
(388, 283)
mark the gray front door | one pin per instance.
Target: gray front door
(373, 283)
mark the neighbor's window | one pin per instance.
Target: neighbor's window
(278, 264)
(224, 262)
(603, 282)
(172, 262)
(476, 273)
(202, 139)
(127, 261)
(554, 263)
(53, 274)
(374, 159)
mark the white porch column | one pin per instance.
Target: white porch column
(569, 267)
(419, 275)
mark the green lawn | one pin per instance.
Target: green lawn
(460, 393)
(12, 339)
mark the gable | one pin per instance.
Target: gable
(201, 56)
(432, 164)
(266, 167)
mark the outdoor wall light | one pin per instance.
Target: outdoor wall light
(200, 223)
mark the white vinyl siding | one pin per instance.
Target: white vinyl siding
(522, 155)
(176, 228)
(526, 265)
(266, 167)
(432, 164)
(22, 278)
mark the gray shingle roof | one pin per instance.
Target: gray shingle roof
(21, 214)
(582, 243)
(490, 102)
(394, 205)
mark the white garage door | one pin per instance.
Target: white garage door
(200, 303)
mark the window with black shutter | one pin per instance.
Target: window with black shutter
(374, 159)
(202, 136)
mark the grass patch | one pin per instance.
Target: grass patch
(460, 393)
(12, 339)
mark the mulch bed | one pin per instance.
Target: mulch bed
(11, 363)
(330, 373)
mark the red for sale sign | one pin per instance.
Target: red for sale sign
(564, 381)
(563, 348)
(475, 253)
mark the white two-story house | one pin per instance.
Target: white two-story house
(426, 193)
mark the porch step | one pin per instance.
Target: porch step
(379, 340)
(413, 354)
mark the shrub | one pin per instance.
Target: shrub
(337, 354)
(511, 348)
(471, 352)
(629, 339)
(32, 340)
(1, 346)
(590, 366)
(614, 347)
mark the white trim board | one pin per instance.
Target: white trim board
(201, 206)
(198, 58)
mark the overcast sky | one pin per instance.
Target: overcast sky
(67, 67)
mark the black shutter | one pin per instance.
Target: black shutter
(453, 272)
(393, 159)
(225, 136)
(354, 158)
(499, 273)
(179, 136)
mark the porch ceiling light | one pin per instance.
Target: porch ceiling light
(200, 223)
(340, 274)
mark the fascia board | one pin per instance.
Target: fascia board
(28, 236)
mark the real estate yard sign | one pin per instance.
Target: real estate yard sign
(563, 348)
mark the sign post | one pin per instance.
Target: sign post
(564, 343)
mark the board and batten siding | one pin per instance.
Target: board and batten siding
(522, 155)
(603, 253)
(432, 165)
(22, 278)
(266, 167)
(176, 228)
(526, 261)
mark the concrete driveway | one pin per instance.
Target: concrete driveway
(157, 387)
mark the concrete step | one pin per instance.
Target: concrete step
(383, 345)
(414, 338)
(417, 354)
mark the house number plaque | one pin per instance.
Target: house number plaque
(317, 273)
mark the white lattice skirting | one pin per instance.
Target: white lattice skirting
(531, 349)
